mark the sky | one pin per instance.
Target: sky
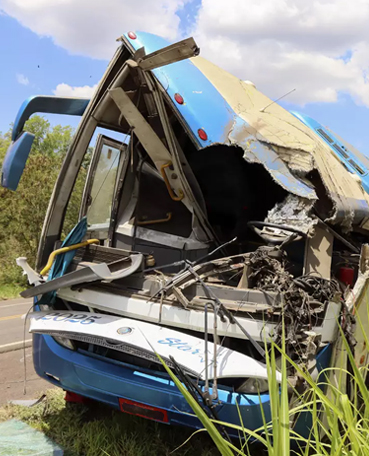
(320, 48)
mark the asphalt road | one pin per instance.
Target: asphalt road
(12, 314)
(16, 363)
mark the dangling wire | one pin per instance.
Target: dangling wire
(24, 351)
(142, 161)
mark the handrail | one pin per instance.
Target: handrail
(66, 249)
(167, 183)
(151, 222)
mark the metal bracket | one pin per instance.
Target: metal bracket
(174, 53)
(167, 183)
(150, 141)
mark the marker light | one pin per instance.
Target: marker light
(132, 35)
(202, 134)
(143, 410)
(179, 99)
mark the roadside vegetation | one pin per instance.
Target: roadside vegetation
(98, 430)
(22, 212)
(338, 404)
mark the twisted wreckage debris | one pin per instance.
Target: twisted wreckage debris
(303, 300)
(301, 304)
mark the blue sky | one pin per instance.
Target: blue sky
(44, 64)
(330, 80)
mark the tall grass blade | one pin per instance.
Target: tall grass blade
(284, 421)
(219, 441)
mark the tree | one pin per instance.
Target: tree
(22, 212)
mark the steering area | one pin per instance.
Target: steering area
(275, 234)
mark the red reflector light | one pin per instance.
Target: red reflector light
(143, 410)
(75, 398)
(202, 134)
(132, 35)
(179, 99)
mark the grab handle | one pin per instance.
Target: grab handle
(152, 222)
(167, 183)
(66, 249)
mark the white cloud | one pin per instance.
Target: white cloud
(90, 27)
(21, 79)
(319, 47)
(65, 90)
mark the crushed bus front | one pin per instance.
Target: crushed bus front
(212, 218)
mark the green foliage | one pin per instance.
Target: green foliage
(22, 212)
(98, 430)
(340, 424)
(10, 290)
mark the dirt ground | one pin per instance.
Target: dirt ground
(12, 377)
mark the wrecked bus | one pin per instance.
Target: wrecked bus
(209, 213)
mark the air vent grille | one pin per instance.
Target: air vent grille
(340, 150)
(357, 167)
(324, 135)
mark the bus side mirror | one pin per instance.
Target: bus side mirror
(17, 154)
(15, 160)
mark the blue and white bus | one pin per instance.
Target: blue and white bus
(208, 213)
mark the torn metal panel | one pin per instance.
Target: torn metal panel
(318, 253)
(298, 161)
(234, 112)
(294, 212)
(216, 101)
(257, 151)
(274, 125)
(284, 132)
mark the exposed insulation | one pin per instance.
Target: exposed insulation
(293, 211)
(292, 141)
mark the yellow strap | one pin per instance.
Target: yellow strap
(66, 249)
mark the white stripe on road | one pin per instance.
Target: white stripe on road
(15, 345)
(16, 305)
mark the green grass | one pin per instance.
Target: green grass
(10, 290)
(99, 430)
(340, 421)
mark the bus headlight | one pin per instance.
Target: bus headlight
(67, 343)
(253, 386)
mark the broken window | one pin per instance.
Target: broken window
(103, 183)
